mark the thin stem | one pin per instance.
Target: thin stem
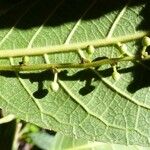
(7, 119)
(71, 47)
(34, 67)
(16, 136)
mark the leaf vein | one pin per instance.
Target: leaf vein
(116, 21)
(78, 22)
(11, 30)
(123, 94)
(45, 21)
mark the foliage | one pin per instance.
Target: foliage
(100, 95)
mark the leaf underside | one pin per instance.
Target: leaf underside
(90, 103)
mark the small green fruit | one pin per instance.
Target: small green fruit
(116, 75)
(146, 41)
(54, 86)
(90, 49)
(124, 48)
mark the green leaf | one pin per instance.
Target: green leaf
(42, 140)
(89, 104)
(62, 142)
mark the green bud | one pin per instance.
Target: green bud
(54, 86)
(124, 48)
(146, 41)
(90, 49)
(115, 74)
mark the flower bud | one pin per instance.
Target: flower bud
(124, 48)
(116, 75)
(54, 86)
(90, 49)
(146, 41)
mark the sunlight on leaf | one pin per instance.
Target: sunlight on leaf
(89, 103)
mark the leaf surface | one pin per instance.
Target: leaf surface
(66, 143)
(90, 103)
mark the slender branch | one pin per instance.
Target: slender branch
(33, 67)
(71, 47)
(7, 118)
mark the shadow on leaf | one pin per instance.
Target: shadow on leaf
(141, 75)
(141, 78)
(140, 71)
(26, 14)
(86, 75)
